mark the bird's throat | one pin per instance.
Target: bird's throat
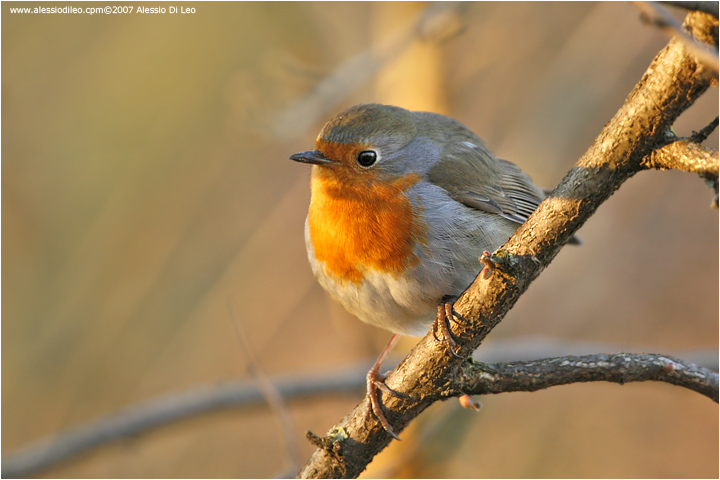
(356, 229)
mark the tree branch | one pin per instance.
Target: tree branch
(673, 81)
(687, 156)
(481, 378)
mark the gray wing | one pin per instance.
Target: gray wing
(476, 178)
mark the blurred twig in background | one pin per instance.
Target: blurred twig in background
(437, 22)
(655, 14)
(271, 394)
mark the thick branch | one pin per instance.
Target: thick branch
(481, 379)
(671, 84)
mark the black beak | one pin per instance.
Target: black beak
(313, 156)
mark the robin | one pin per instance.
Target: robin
(404, 207)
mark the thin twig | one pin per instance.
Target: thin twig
(270, 393)
(435, 23)
(701, 135)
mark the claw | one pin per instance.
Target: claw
(375, 382)
(444, 315)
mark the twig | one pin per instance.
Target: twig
(672, 82)
(481, 379)
(435, 23)
(270, 393)
(655, 14)
(701, 135)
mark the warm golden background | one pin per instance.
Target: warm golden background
(145, 184)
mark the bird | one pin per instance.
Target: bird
(404, 208)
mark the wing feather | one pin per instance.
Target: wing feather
(476, 178)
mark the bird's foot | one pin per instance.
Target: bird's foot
(444, 316)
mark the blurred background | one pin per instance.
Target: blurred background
(146, 186)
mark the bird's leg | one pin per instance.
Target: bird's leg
(376, 381)
(445, 308)
(441, 322)
(444, 315)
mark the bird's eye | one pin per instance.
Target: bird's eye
(366, 158)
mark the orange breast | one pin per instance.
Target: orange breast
(354, 227)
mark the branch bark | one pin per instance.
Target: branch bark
(673, 81)
(481, 378)
(687, 156)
